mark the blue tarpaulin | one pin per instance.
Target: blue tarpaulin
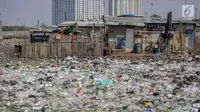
(127, 15)
(158, 54)
(191, 37)
(54, 26)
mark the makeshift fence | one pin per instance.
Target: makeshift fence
(63, 47)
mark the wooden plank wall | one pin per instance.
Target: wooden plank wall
(87, 47)
(63, 47)
(37, 50)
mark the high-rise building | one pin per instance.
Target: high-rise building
(88, 9)
(58, 11)
(70, 10)
(121, 7)
(76, 10)
(85, 10)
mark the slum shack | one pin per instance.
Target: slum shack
(197, 38)
(184, 35)
(86, 38)
(121, 32)
(68, 40)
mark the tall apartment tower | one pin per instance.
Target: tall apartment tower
(121, 7)
(89, 9)
(70, 10)
(58, 11)
(76, 10)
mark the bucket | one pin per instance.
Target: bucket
(137, 48)
(122, 44)
(107, 51)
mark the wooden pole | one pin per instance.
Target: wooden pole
(102, 31)
(159, 50)
(181, 36)
(169, 47)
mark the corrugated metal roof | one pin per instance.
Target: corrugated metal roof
(184, 21)
(81, 23)
(86, 23)
(173, 21)
(131, 21)
(125, 19)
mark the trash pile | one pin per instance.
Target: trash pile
(100, 85)
(10, 42)
(7, 46)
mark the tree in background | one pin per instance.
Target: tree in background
(155, 17)
(16, 28)
(44, 26)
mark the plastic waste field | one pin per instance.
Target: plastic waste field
(100, 85)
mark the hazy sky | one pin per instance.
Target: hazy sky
(20, 12)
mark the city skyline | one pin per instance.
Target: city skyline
(88, 10)
(16, 13)
(76, 10)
